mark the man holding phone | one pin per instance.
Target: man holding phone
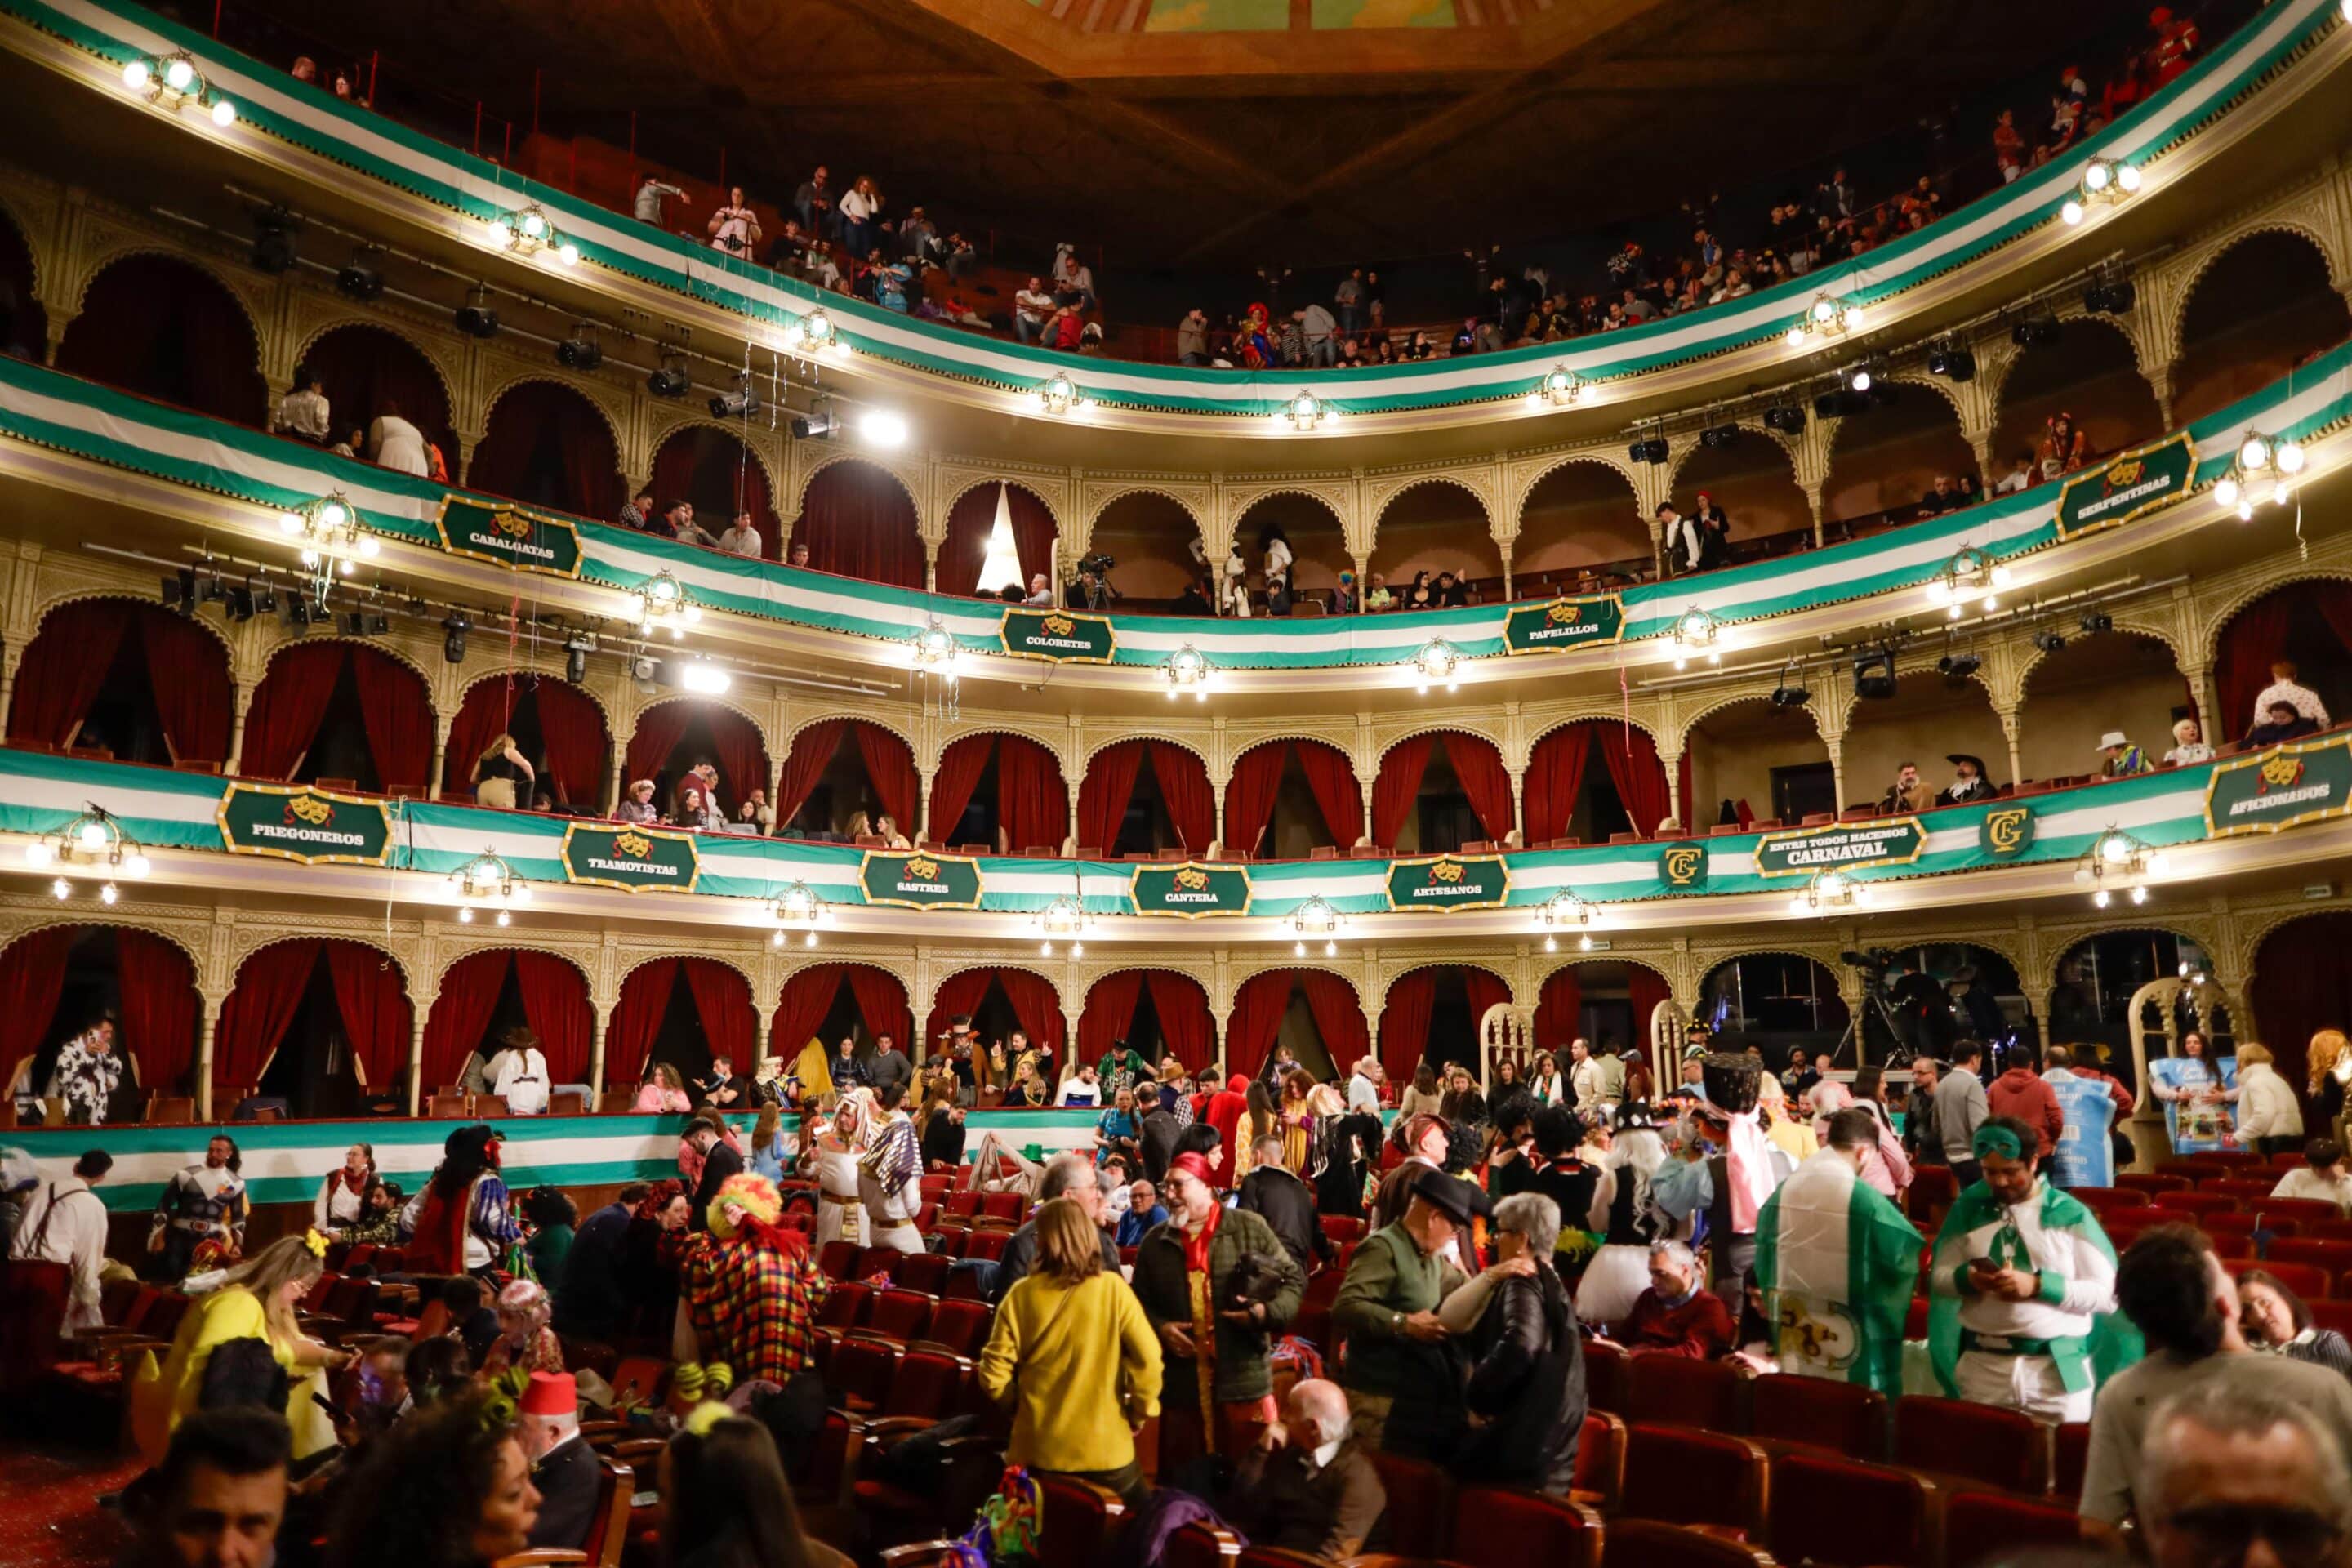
(2023, 1285)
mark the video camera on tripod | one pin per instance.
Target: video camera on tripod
(1872, 963)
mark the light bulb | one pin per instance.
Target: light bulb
(2099, 901)
(2140, 895)
(137, 75)
(349, 568)
(505, 919)
(2255, 453)
(38, 854)
(1045, 950)
(1797, 904)
(466, 916)
(1862, 381)
(1551, 945)
(61, 889)
(664, 589)
(2071, 212)
(1078, 949)
(92, 835)
(569, 254)
(1584, 944)
(1939, 590)
(1991, 601)
(693, 613)
(1953, 614)
(2001, 575)
(178, 75)
(2226, 492)
(1330, 950)
(2126, 178)
(533, 225)
(2245, 511)
(290, 523)
(369, 547)
(1853, 317)
(1796, 338)
(500, 235)
(223, 113)
(138, 865)
(2156, 864)
(2290, 457)
(109, 894)
(2115, 849)
(309, 558)
(334, 514)
(1824, 309)
(2096, 176)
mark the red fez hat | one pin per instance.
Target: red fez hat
(552, 1393)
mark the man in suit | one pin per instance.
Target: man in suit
(562, 1466)
(720, 1160)
(1276, 1196)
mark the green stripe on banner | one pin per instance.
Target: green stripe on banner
(356, 139)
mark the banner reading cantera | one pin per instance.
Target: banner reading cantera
(634, 859)
(509, 535)
(919, 879)
(1189, 890)
(1449, 882)
(2127, 486)
(1565, 623)
(2279, 788)
(294, 822)
(1840, 847)
(1065, 637)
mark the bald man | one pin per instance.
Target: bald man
(1307, 1486)
(2245, 1477)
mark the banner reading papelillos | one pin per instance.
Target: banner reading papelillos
(1840, 847)
(2126, 486)
(1449, 882)
(1565, 623)
(1189, 890)
(2279, 788)
(294, 822)
(1063, 636)
(919, 879)
(634, 859)
(510, 536)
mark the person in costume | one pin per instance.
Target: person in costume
(1253, 343)
(525, 1338)
(1297, 1121)
(1837, 1261)
(343, 1196)
(203, 1208)
(462, 1220)
(1121, 1067)
(1223, 1112)
(255, 1301)
(1627, 1216)
(890, 1172)
(2024, 1288)
(87, 1072)
(1730, 1185)
(520, 1075)
(840, 1213)
(748, 1290)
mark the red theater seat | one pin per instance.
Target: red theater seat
(1646, 1543)
(1845, 1417)
(1693, 1478)
(2004, 1449)
(1978, 1526)
(1500, 1527)
(1685, 1391)
(1833, 1510)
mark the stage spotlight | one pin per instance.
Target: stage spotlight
(1788, 418)
(742, 402)
(580, 350)
(1790, 691)
(475, 317)
(1651, 451)
(453, 636)
(1873, 673)
(2110, 297)
(1952, 363)
(1959, 666)
(1720, 436)
(817, 425)
(365, 623)
(670, 380)
(2049, 639)
(360, 279)
(264, 599)
(273, 241)
(180, 591)
(2094, 621)
(2040, 334)
(575, 658)
(240, 605)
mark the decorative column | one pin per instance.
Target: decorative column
(1364, 579)
(2160, 382)
(1365, 781)
(2012, 726)
(2210, 720)
(766, 1025)
(14, 656)
(1836, 746)
(58, 320)
(207, 1035)
(603, 1012)
(1503, 547)
(468, 440)
(1217, 792)
(420, 1010)
(1217, 1067)
(244, 700)
(617, 785)
(1814, 500)
(923, 777)
(1519, 804)
(1672, 762)
(441, 726)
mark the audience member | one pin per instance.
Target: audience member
(203, 1209)
(63, 1225)
(1278, 1195)
(2121, 758)
(748, 1290)
(741, 537)
(1675, 1316)
(217, 1498)
(394, 443)
(2281, 724)
(525, 1340)
(2188, 745)
(2020, 1093)
(1526, 1393)
(728, 1502)
(448, 1488)
(2285, 687)
(1400, 1389)
(303, 412)
(2275, 1318)
(1908, 792)
(2270, 1117)
(1306, 1485)
(252, 1308)
(2321, 1176)
(562, 1466)
(2225, 1469)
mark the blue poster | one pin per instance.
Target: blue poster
(2195, 1116)
(2085, 1157)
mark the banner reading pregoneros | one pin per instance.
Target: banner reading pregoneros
(295, 822)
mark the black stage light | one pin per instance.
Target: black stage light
(1873, 673)
(475, 317)
(2039, 333)
(264, 599)
(1790, 691)
(1788, 418)
(2110, 297)
(2097, 621)
(1651, 451)
(742, 402)
(360, 279)
(1952, 363)
(180, 591)
(2049, 639)
(240, 605)
(1959, 666)
(575, 658)
(273, 241)
(453, 636)
(580, 350)
(669, 381)
(1720, 436)
(817, 425)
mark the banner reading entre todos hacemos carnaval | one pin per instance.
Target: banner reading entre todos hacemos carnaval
(1189, 890)
(634, 859)
(2279, 788)
(1449, 882)
(509, 536)
(1063, 636)
(1840, 847)
(294, 822)
(921, 880)
(1565, 623)
(2126, 485)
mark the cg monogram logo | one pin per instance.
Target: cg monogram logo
(2006, 828)
(1682, 866)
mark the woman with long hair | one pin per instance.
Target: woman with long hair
(502, 773)
(2331, 1071)
(1889, 1169)
(461, 1222)
(1297, 1121)
(450, 1487)
(343, 1196)
(1544, 1081)
(662, 1093)
(698, 809)
(769, 1152)
(2276, 1320)
(1627, 1217)
(729, 1504)
(1258, 1121)
(1423, 1097)
(255, 1300)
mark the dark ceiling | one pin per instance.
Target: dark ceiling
(1213, 150)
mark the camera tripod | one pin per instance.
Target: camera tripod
(1847, 1052)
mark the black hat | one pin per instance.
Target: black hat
(1457, 1200)
(1635, 1116)
(1731, 1080)
(1977, 762)
(470, 1142)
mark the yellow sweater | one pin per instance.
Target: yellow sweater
(212, 1320)
(1075, 1363)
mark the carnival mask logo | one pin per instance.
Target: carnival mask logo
(1058, 625)
(922, 869)
(2284, 771)
(2124, 474)
(635, 846)
(1446, 872)
(1564, 614)
(311, 809)
(2006, 828)
(1192, 879)
(510, 525)
(1682, 866)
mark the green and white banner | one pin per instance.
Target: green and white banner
(632, 858)
(1565, 623)
(2279, 788)
(2126, 485)
(1840, 847)
(921, 879)
(2006, 832)
(511, 535)
(1449, 882)
(1189, 889)
(298, 822)
(1066, 637)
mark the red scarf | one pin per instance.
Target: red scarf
(439, 1245)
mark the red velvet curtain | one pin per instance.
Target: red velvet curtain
(741, 756)
(1558, 1009)
(160, 1008)
(1109, 1012)
(1033, 804)
(268, 992)
(64, 667)
(488, 709)
(1483, 778)
(1396, 788)
(1405, 1023)
(812, 754)
(288, 706)
(555, 1003)
(2301, 985)
(32, 978)
(376, 1016)
(399, 718)
(1647, 988)
(575, 744)
(715, 471)
(659, 729)
(890, 769)
(859, 522)
(1186, 1026)
(2334, 601)
(1036, 1006)
(1103, 797)
(1555, 777)
(460, 1015)
(547, 444)
(973, 519)
(1332, 777)
(882, 1003)
(1255, 1022)
(637, 1020)
(187, 669)
(1483, 990)
(801, 1008)
(1338, 1016)
(1249, 798)
(165, 328)
(959, 994)
(961, 767)
(1184, 789)
(363, 368)
(2256, 636)
(1631, 759)
(722, 1000)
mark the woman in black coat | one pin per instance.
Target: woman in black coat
(1526, 1392)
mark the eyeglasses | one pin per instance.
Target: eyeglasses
(2222, 1533)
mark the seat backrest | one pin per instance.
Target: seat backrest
(1978, 1526)
(1420, 1516)
(1648, 1543)
(1604, 1378)
(904, 1315)
(2005, 1448)
(1079, 1518)
(448, 1107)
(2070, 1458)
(965, 1203)
(838, 1259)
(616, 1484)
(1691, 1477)
(2305, 1279)
(846, 1305)
(2102, 1199)
(1199, 1544)
(2307, 1210)
(1845, 1417)
(1601, 1458)
(960, 1326)
(1502, 1527)
(929, 1385)
(1002, 1206)
(861, 1371)
(641, 1379)
(988, 1245)
(1840, 1511)
(924, 1272)
(1685, 1391)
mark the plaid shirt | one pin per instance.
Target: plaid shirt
(753, 1307)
